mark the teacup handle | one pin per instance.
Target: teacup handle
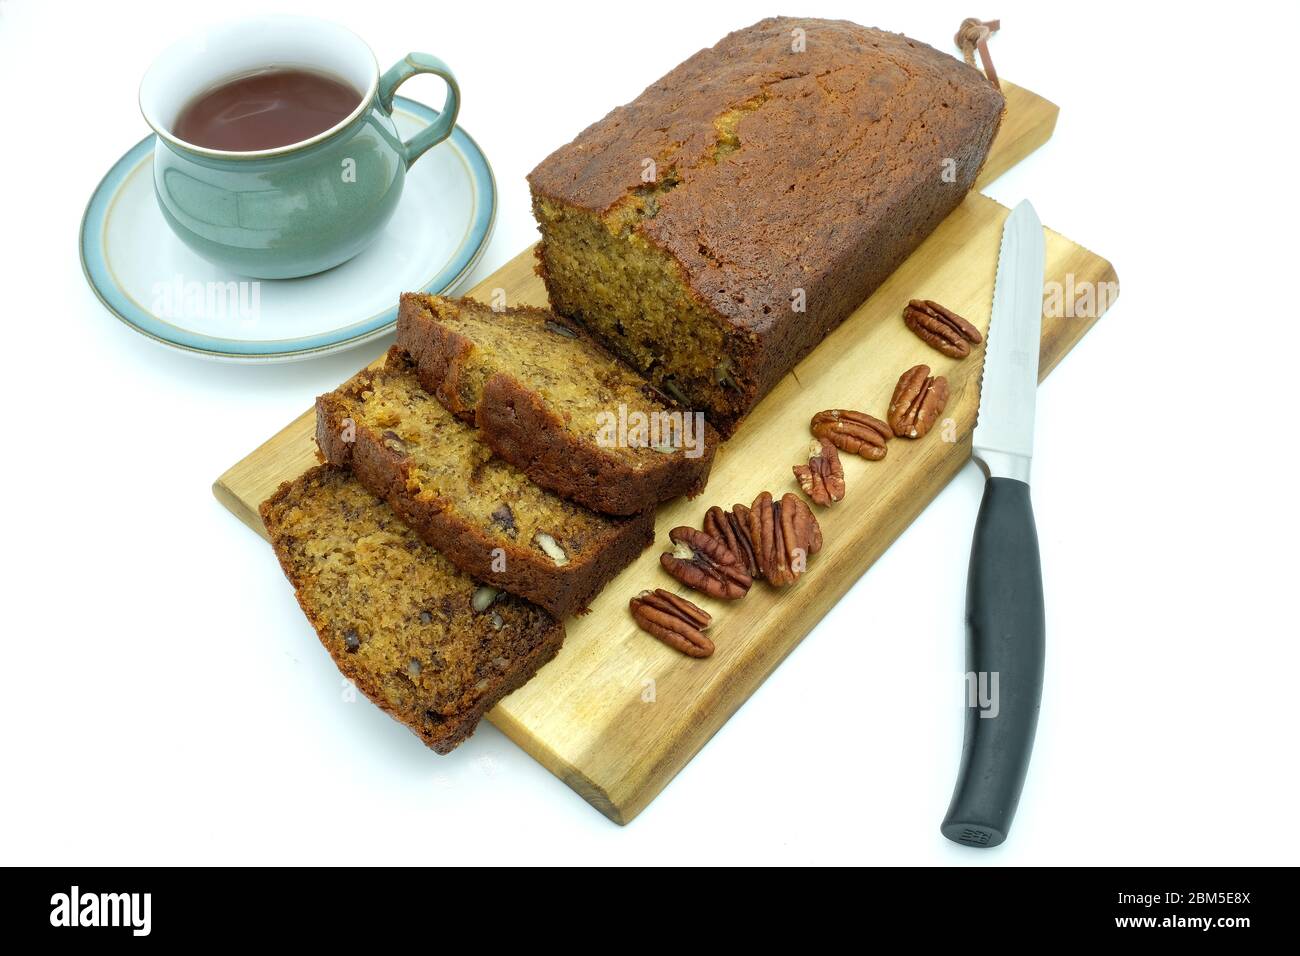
(413, 65)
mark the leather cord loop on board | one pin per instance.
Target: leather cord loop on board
(973, 35)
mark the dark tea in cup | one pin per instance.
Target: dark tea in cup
(266, 109)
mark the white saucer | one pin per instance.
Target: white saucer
(156, 285)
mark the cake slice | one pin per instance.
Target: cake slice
(551, 401)
(418, 637)
(480, 511)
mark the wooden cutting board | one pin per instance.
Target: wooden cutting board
(617, 714)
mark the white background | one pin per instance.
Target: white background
(164, 701)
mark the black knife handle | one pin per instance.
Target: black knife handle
(1004, 666)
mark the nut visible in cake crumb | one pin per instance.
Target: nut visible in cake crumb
(484, 596)
(504, 519)
(552, 548)
(559, 329)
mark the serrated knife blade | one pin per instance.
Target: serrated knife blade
(1004, 432)
(1005, 623)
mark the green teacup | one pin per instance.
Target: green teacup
(298, 209)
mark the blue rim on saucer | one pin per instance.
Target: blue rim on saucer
(102, 281)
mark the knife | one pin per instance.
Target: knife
(1004, 586)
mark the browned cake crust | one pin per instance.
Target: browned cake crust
(396, 617)
(774, 171)
(525, 427)
(437, 504)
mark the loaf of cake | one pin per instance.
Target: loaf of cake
(715, 229)
(550, 400)
(483, 513)
(418, 637)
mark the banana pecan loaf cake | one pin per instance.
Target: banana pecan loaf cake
(716, 228)
(550, 400)
(480, 511)
(414, 634)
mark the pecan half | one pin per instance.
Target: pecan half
(769, 548)
(822, 479)
(674, 620)
(732, 528)
(941, 328)
(918, 402)
(785, 534)
(706, 564)
(854, 432)
(802, 529)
